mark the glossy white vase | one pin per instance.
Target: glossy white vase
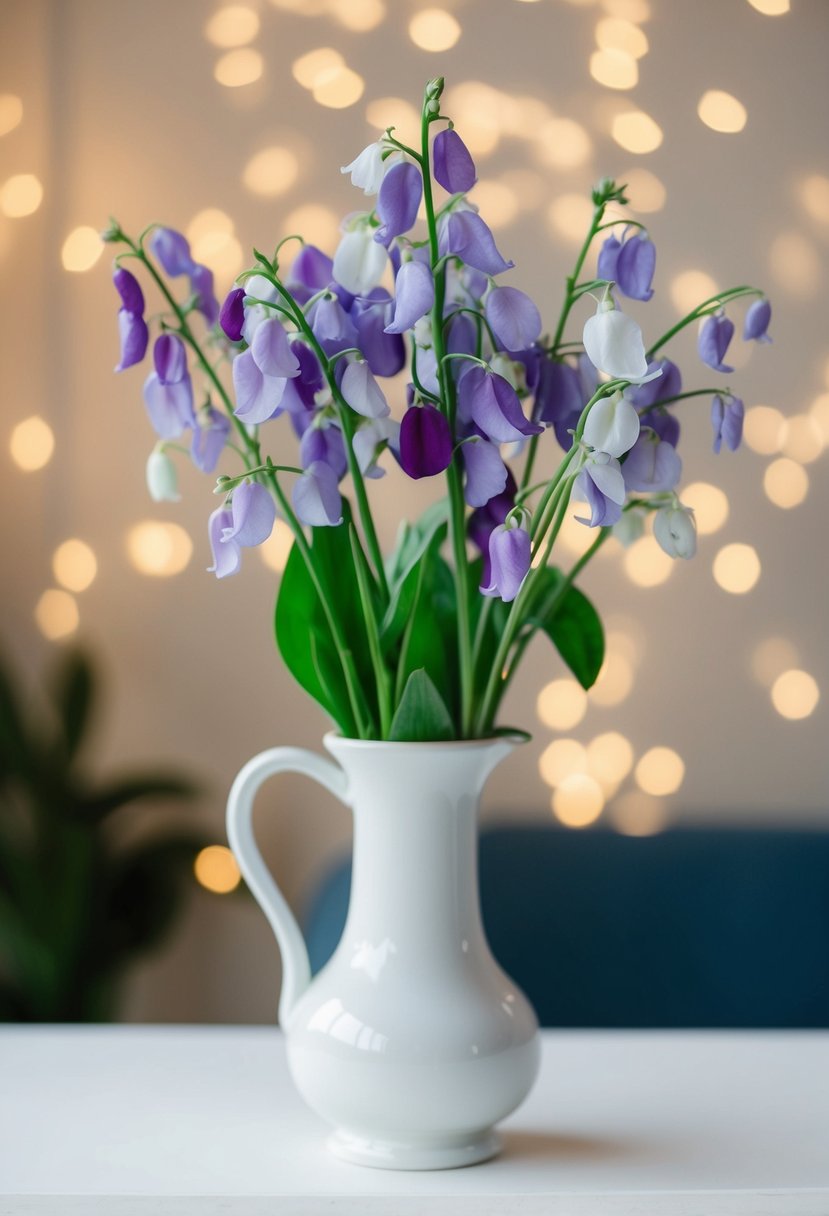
(411, 1041)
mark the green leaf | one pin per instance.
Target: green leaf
(430, 638)
(17, 755)
(404, 588)
(572, 624)
(422, 715)
(73, 690)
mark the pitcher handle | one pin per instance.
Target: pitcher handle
(296, 969)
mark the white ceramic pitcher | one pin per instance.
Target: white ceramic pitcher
(411, 1041)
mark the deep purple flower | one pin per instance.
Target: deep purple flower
(209, 438)
(398, 201)
(513, 318)
(134, 337)
(510, 555)
(757, 322)
(714, 337)
(652, 465)
(453, 166)
(227, 556)
(414, 295)
(601, 485)
(232, 314)
(384, 350)
(629, 265)
(492, 403)
(129, 289)
(324, 444)
(258, 396)
(727, 414)
(663, 387)
(170, 406)
(172, 250)
(466, 235)
(169, 358)
(425, 442)
(201, 285)
(484, 519)
(311, 271)
(316, 497)
(461, 338)
(486, 473)
(557, 392)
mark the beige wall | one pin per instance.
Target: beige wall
(122, 115)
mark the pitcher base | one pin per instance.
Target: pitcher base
(450, 1153)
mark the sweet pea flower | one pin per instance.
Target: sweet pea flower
(660, 388)
(258, 396)
(652, 465)
(361, 391)
(134, 337)
(258, 288)
(300, 390)
(398, 201)
(162, 478)
(129, 289)
(675, 530)
(253, 513)
(727, 414)
(172, 250)
(384, 352)
(492, 404)
(371, 439)
(612, 425)
(359, 261)
(201, 285)
(331, 325)
(463, 233)
(513, 317)
(757, 322)
(613, 343)
(323, 441)
(209, 438)
(629, 264)
(232, 314)
(714, 336)
(663, 422)
(316, 497)
(486, 473)
(170, 406)
(453, 166)
(557, 392)
(311, 271)
(272, 352)
(425, 442)
(601, 485)
(169, 359)
(510, 556)
(414, 295)
(227, 555)
(368, 168)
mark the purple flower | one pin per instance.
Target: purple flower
(669, 384)
(425, 442)
(324, 443)
(300, 391)
(209, 438)
(492, 404)
(232, 314)
(414, 296)
(227, 556)
(253, 515)
(510, 556)
(201, 285)
(652, 465)
(258, 396)
(271, 350)
(169, 359)
(311, 271)
(514, 319)
(663, 422)
(727, 415)
(557, 392)
(454, 168)
(384, 351)
(172, 250)
(601, 485)
(484, 519)
(331, 325)
(360, 390)
(466, 235)
(486, 473)
(630, 265)
(129, 289)
(757, 322)
(170, 406)
(316, 497)
(370, 440)
(398, 201)
(714, 337)
(134, 337)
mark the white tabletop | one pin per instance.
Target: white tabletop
(126, 1121)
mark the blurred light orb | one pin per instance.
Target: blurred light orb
(637, 11)
(81, 249)
(795, 264)
(303, 8)
(498, 202)
(358, 15)
(56, 614)
(31, 444)
(614, 69)
(20, 195)
(771, 8)
(239, 68)
(795, 695)
(819, 413)
(644, 189)
(271, 172)
(660, 771)
(433, 29)
(394, 112)
(314, 67)
(562, 704)
(814, 195)
(530, 189)
(638, 814)
(764, 429)
(11, 112)
(578, 801)
(318, 224)
(74, 565)
(771, 657)
(232, 26)
(561, 759)
(722, 112)
(689, 288)
(609, 758)
(618, 34)
(479, 112)
(804, 439)
(709, 504)
(339, 89)
(158, 549)
(569, 216)
(276, 549)
(786, 483)
(636, 132)
(208, 222)
(615, 681)
(563, 143)
(737, 568)
(216, 869)
(646, 564)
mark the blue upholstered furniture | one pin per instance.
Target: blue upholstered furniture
(689, 928)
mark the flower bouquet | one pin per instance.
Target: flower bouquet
(410, 653)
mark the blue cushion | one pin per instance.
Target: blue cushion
(689, 928)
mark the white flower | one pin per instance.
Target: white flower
(361, 391)
(370, 439)
(612, 425)
(613, 343)
(259, 287)
(368, 169)
(359, 261)
(675, 530)
(512, 372)
(422, 331)
(162, 478)
(629, 528)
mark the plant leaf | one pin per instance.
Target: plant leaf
(422, 715)
(73, 690)
(572, 624)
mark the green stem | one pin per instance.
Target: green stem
(381, 674)
(703, 310)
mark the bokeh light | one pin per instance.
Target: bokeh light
(803, 440)
(609, 759)
(158, 549)
(239, 68)
(771, 8)
(395, 112)
(578, 801)
(318, 224)
(358, 15)
(479, 111)
(614, 69)
(771, 657)
(660, 771)
(561, 759)
(646, 564)
(11, 112)
(638, 814)
(764, 429)
(819, 413)
(232, 26)
(570, 215)
(689, 288)
(341, 88)
(315, 67)
(636, 132)
(736, 568)
(562, 143)
(722, 112)
(275, 550)
(562, 704)
(795, 694)
(617, 34)
(271, 172)
(31, 444)
(615, 681)
(20, 195)
(636, 11)
(433, 29)
(74, 565)
(795, 264)
(786, 483)
(216, 869)
(709, 504)
(56, 614)
(644, 189)
(498, 202)
(814, 195)
(81, 249)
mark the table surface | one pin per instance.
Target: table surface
(183, 1120)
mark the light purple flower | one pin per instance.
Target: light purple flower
(321, 442)
(466, 235)
(414, 295)
(714, 337)
(253, 512)
(360, 390)
(757, 322)
(331, 325)
(453, 166)
(727, 414)
(398, 201)
(484, 519)
(601, 485)
(492, 404)
(172, 250)
(630, 265)
(510, 556)
(227, 556)
(384, 352)
(669, 384)
(201, 285)
(134, 337)
(232, 314)
(486, 473)
(209, 438)
(663, 422)
(170, 406)
(169, 358)
(371, 438)
(271, 350)
(513, 317)
(425, 442)
(652, 465)
(311, 271)
(258, 397)
(316, 497)
(129, 289)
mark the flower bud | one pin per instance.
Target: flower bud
(162, 478)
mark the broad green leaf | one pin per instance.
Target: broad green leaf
(404, 590)
(572, 624)
(430, 640)
(422, 715)
(73, 689)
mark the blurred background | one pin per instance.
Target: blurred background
(230, 122)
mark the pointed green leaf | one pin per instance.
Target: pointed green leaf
(572, 624)
(422, 715)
